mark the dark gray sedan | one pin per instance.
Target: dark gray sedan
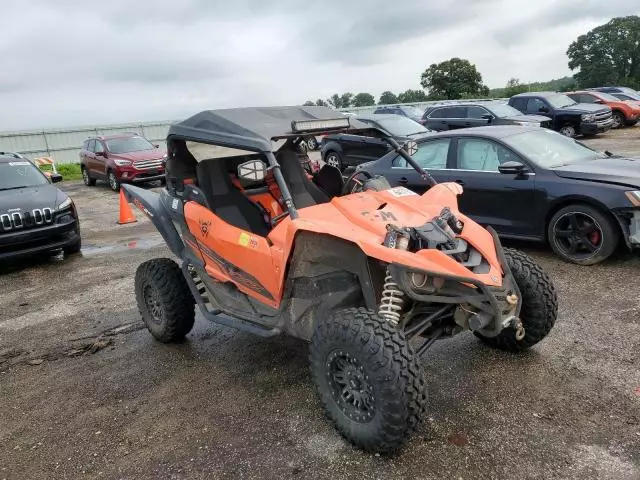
(478, 114)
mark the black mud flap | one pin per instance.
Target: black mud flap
(150, 204)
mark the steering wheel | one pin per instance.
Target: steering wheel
(357, 184)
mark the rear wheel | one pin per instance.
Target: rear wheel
(114, 183)
(86, 178)
(618, 120)
(539, 304)
(334, 159)
(582, 234)
(568, 130)
(368, 379)
(165, 302)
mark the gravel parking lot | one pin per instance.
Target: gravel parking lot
(86, 393)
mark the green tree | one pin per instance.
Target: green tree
(321, 103)
(514, 87)
(410, 96)
(308, 103)
(340, 101)
(363, 99)
(608, 54)
(387, 98)
(453, 79)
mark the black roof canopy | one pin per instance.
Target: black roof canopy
(249, 128)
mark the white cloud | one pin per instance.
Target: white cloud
(74, 62)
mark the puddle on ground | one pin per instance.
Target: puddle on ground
(139, 243)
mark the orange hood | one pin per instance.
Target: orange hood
(361, 218)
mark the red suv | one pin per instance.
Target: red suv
(123, 158)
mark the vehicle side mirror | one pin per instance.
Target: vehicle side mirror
(253, 170)
(597, 101)
(512, 168)
(488, 117)
(55, 178)
(155, 145)
(543, 110)
(101, 154)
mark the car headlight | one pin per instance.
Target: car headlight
(528, 124)
(634, 197)
(122, 163)
(65, 204)
(588, 117)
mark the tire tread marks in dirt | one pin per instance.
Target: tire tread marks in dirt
(539, 304)
(388, 358)
(165, 276)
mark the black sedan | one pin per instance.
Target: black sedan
(534, 184)
(365, 142)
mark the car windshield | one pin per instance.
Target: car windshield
(560, 101)
(20, 173)
(607, 97)
(628, 96)
(549, 149)
(131, 144)
(412, 111)
(504, 110)
(400, 126)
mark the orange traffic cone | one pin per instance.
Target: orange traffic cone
(126, 214)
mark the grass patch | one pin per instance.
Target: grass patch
(70, 171)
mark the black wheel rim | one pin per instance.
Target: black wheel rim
(350, 386)
(152, 302)
(578, 235)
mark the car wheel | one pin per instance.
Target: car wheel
(114, 183)
(333, 159)
(618, 120)
(539, 304)
(582, 234)
(88, 181)
(568, 131)
(368, 379)
(312, 143)
(164, 299)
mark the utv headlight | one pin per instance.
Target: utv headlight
(65, 204)
(588, 117)
(122, 163)
(634, 197)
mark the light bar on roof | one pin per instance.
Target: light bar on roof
(307, 125)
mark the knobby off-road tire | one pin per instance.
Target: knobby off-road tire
(539, 304)
(365, 352)
(164, 300)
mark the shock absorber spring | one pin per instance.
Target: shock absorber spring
(392, 300)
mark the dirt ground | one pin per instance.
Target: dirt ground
(85, 392)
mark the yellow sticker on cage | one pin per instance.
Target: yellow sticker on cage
(244, 239)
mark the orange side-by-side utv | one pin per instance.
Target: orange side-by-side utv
(370, 275)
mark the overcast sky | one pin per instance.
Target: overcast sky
(79, 62)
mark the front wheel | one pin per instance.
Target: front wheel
(165, 302)
(114, 183)
(568, 130)
(333, 159)
(368, 379)
(583, 235)
(539, 304)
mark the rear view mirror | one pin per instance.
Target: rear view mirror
(55, 178)
(543, 110)
(253, 170)
(512, 168)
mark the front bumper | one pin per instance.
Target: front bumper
(136, 175)
(592, 128)
(51, 238)
(489, 302)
